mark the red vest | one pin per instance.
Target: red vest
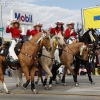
(68, 35)
(15, 32)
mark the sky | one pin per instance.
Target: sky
(48, 12)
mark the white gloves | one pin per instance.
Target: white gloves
(29, 27)
(72, 31)
(51, 26)
(8, 22)
(23, 32)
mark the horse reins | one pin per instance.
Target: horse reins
(73, 53)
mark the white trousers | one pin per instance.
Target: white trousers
(11, 50)
(56, 54)
(70, 40)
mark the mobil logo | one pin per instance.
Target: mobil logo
(23, 17)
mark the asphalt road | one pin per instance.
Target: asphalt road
(85, 91)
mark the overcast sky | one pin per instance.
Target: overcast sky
(48, 11)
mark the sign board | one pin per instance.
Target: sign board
(2, 29)
(24, 17)
(91, 17)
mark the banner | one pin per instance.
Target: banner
(91, 17)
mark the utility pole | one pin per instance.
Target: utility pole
(1, 23)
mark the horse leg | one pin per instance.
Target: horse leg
(14, 76)
(73, 73)
(26, 73)
(63, 78)
(45, 81)
(39, 76)
(78, 62)
(48, 71)
(2, 79)
(88, 71)
(32, 73)
(20, 77)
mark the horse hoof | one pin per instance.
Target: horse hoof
(64, 84)
(7, 92)
(36, 82)
(77, 84)
(92, 83)
(23, 87)
(50, 87)
(46, 88)
(35, 91)
(17, 85)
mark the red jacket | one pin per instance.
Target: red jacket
(33, 32)
(55, 30)
(67, 33)
(16, 33)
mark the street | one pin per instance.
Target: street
(85, 91)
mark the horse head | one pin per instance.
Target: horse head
(45, 41)
(59, 40)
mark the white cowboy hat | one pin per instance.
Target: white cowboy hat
(71, 23)
(38, 24)
(15, 21)
(59, 22)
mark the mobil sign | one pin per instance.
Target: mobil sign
(24, 17)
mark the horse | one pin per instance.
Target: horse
(70, 52)
(87, 39)
(47, 58)
(28, 57)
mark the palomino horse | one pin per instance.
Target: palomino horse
(28, 58)
(47, 58)
(68, 54)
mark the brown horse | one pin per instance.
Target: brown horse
(28, 58)
(68, 54)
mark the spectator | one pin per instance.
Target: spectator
(82, 70)
(92, 62)
(98, 62)
(8, 72)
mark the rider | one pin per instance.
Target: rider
(70, 33)
(58, 29)
(15, 31)
(37, 29)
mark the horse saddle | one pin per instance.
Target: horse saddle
(5, 48)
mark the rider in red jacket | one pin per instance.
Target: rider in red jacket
(37, 29)
(58, 29)
(15, 31)
(70, 32)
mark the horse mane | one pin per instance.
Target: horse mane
(86, 38)
(36, 37)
